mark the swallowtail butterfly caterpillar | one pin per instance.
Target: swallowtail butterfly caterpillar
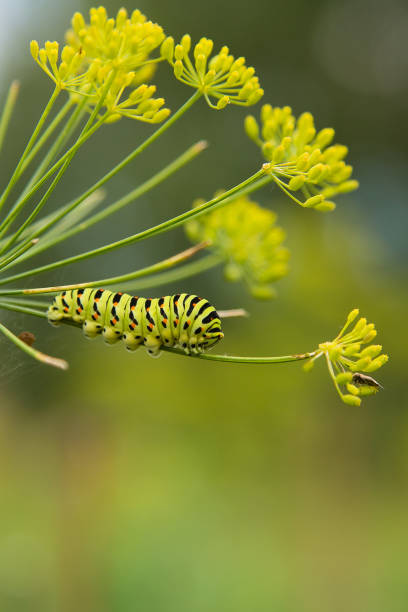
(184, 321)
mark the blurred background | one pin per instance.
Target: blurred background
(175, 485)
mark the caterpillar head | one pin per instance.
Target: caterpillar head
(212, 335)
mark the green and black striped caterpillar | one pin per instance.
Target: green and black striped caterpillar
(184, 321)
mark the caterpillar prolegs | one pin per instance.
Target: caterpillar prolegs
(183, 320)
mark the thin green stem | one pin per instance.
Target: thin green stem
(38, 355)
(46, 135)
(14, 212)
(8, 110)
(119, 166)
(180, 273)
(251, 184)
(114, 280)
(86, 129)
(23, 301)
(132, 196)
(29, 146)
(238, 359)
(17, 253)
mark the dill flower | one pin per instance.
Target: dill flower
(301, 159)
(347, 360)
(64, 69)
(222, 77)
(246, 237)
(108, 59)
(125, 42)
(138, 103)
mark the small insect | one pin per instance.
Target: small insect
(183, 320)
(363, 379)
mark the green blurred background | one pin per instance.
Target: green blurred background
(175, 485)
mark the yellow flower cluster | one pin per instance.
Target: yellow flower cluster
(346, 359)
(301, 159)
(222, 77)
(107, 61)
(245, 235)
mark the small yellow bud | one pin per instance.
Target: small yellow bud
(348, 186)
(325, 206)
(178, 69)
(352, 316)
(186, 43)
(315, 172)
(179, 52)
(351, 400)
(303, 162)
(252, 128)
(268, 150)
(361, 364)
(353, 389)
(278, 154)
(344, 377)
(371, 351)
(34, 48)
(167, 49)
(370, 336)
(376, 363)
(223, 102)
(296, 182)
(313, 201)
(161, 115)
(315, 157)
(324, 137)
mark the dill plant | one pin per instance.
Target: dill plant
(105, 71)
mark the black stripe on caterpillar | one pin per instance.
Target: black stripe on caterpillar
(183, 320)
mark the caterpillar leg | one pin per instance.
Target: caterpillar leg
(153, 345)
(91, 329)
(132, 341)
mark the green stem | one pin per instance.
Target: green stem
(29, 146)
(16, 209)
(38, 355)
(14, 257)
(86, 129)
(171, 276)
(237, 359)
(251, 184)
(23, 301)
(45, 136)
(114, 280)
(119, 166)
(136, 193)
(8, 110)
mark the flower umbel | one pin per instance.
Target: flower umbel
(299, 158)
(65, 69)
(221, 77)
(109, 60)
(346, 359)
(124, 42)
(246, 237)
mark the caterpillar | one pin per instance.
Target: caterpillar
(183, 320)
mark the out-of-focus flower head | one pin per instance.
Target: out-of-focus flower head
(301, 159)
(349, 364)
(246, 237)
(108, 59)
(222, 77)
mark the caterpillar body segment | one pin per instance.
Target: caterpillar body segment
(183, 320)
